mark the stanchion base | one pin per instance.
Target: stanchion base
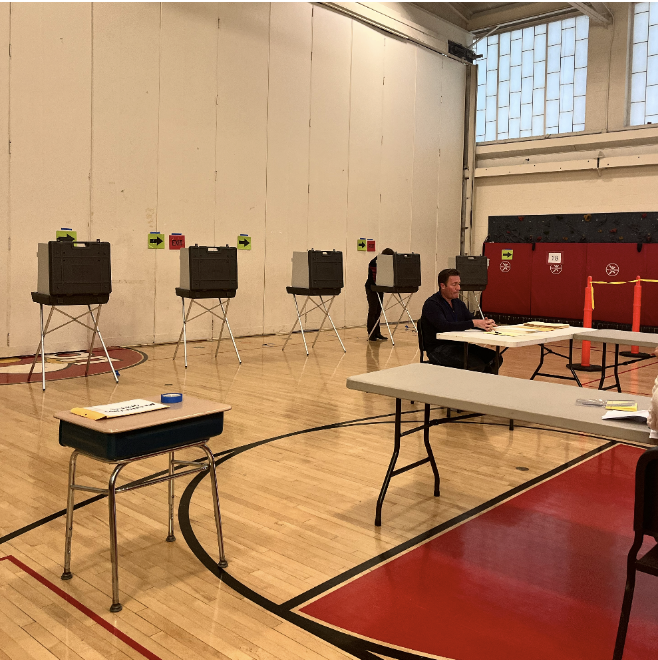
(116, 607)
(576, 366)
(639, 356)
(67, 575)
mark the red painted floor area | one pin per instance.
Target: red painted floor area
(541, 577)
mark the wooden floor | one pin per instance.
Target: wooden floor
(297, 510)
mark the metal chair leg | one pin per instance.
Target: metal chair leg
(625, 616)
(70, 503)
(215, 496)
(170, 496)
(114, 552)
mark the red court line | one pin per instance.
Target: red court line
(539, 577)
(136, 646)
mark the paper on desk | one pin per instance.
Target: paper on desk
(633, 416)
(120, 409)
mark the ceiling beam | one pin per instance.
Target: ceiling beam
(597, 12)
(513, 13)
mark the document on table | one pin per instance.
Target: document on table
(120, 409)
(631, 416)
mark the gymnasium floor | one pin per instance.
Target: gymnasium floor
(300, 464)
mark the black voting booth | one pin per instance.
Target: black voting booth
(399, 275)
(316, 274)
(72, 273)
(207, 273)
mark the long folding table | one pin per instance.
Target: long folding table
(538, 402)
(617, 337)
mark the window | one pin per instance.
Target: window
(644, 65)
(532, 81)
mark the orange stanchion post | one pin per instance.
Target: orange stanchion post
(637, 308)
(587, 323)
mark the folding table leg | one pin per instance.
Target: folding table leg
(430, 454)
(215, 496)
(114, 552)
(570, 365)
(617, 368)
(170, 496)
(391, 465)
(70, 502)
(603, 357)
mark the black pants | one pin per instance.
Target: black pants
(374, 310)
(452, 355)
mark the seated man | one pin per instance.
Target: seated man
(445, 312)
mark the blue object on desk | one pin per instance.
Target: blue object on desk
(173, 397)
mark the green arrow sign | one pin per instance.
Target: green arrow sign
(361, 245)
(156, 240)
(66, 233)
(507, 255)
(244, 242)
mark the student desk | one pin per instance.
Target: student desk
(475, 336)
(617, 337)
(123, 440)
(538, 402)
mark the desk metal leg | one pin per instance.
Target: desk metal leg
(617, 368)
(570, 365)
(114, 551)
(70, 502)
(603, 356)
(170, 536)
(541, 361)
(430, 454)
(215, 495)
(391, 465)
(497, 362)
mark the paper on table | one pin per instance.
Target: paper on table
(634, 416)
(120, 409)
(653, 435)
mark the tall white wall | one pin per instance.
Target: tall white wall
(285, 121)
(610, 167)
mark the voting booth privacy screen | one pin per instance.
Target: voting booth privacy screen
(205, 268)
(472, 272)
(548, 280)
(317, 269)
(399, 270)
(73, 268)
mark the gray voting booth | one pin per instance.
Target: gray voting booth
(207, 273)
(317, 275)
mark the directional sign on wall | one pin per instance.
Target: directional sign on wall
(66, 233)
(244, 242)
(361, 245)
(371, 245)
(176, 241)
(156, 240)
(507, 255)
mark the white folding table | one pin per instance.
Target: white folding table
(476, 393)
(475, 336)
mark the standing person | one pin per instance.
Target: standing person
(445, 312)
(374, 301)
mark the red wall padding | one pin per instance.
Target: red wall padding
(613, 263)
(508, 291)
(530, 288)
(558, 289)
(650, 289)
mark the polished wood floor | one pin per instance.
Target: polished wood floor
(297, 511)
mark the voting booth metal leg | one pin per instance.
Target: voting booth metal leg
(112, 490)
(228, 326)
(298, 320)
(100, 337)
(388, 327)
(322, 306)
(327, 315)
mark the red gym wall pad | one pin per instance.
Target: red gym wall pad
(509, 274)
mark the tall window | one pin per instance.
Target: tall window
(644, 65)
(532, 81)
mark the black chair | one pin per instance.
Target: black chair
(645, 523)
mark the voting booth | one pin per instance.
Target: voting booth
(317, 276)
(72, 273)
(398, 275)
(207, 273)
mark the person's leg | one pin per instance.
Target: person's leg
(483, 359)
(374, 310)
(448, 355)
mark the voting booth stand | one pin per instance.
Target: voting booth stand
(207, 273)
(398, 275)
(72, 273)
(315, 274)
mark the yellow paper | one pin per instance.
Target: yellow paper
(89, 414)
(621, 405)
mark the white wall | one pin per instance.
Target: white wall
(610, 167)
(286, 121)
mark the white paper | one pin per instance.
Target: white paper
(637, 415)
(653, 435)
(123, 408)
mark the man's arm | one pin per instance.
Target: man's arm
(434, 313)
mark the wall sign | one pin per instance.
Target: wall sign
(176, 241)
(156, 240)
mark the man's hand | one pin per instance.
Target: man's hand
(484, 324)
